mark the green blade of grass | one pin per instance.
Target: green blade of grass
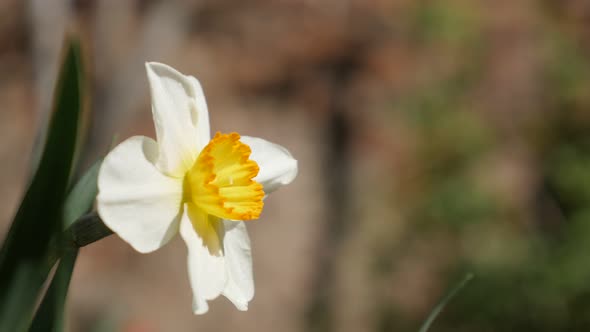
(440, 306)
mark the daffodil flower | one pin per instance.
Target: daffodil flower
(191, 183)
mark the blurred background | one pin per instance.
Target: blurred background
(434, 138)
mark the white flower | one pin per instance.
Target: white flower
(189, 183)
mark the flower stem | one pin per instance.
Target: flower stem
(87, 229)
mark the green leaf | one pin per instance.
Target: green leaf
(440, 306)
(82, 196)
(24, 261)
(49, 316)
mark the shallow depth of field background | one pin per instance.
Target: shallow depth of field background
(433, 137)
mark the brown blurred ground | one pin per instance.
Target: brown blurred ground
(331, 81)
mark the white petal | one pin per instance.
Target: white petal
(277, 166)
(238, 259)
(180, 117)
(206, 265)
(135, 199)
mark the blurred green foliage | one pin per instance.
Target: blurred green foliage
(529, 249)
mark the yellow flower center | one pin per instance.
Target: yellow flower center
(220, 181)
